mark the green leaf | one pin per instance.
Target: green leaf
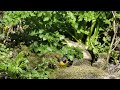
(83, 31)
(62, 37)
(107, 21)
(49, 49)
(71, 57)
(32, 14)
(46, 19)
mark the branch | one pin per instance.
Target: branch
(116, 43)
(113, 39)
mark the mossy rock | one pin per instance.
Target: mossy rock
(78, 72)
(101, 62)
(54, 55)
(34, 60)
(80, 62)
(25, 49)
(21, 48)
(50, 58)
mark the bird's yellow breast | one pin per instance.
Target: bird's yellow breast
(62, 63)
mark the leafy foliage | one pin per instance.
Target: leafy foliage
(44, 32)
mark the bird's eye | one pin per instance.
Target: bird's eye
(64, 61)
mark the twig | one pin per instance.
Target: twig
(113, 39)
(116, 43)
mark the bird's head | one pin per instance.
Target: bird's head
(63, 61)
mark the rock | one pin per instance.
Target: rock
(110, 77)
(83, 48)
(101, 62)
(77, 62)
(78, 72)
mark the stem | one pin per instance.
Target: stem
(75, 32)
(95, 35)
(115, 31)
(71, 35)
(79, 41)
(116, 43)
(91, 30)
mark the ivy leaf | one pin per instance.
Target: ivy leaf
(46, 19)
(71, 57)
(41, 31)
(83, 31)
(107, 21)
(95, 50)
(39, 14)
(80, 18)
(44, 38)
(48, 48)
(35, 43)
(62, 37)
(32, 14)
(32, 33)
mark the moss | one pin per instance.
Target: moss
(34, 60)
(51, 58)
(101, 62)
(53, 55)
(78, 72)
(77, 62)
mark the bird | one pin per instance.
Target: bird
(65, 62)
